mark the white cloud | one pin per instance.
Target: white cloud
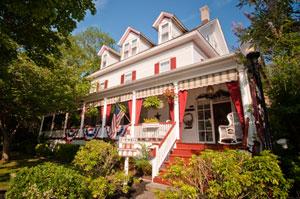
(100, 4)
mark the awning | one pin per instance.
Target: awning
(112, 100)
(157, 90)
(207, 80)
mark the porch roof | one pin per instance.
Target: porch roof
(210, 72)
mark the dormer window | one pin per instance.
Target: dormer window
(126, 50)
(104, 61)
(165, 32)
(134, 46)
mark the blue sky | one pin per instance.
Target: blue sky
(114, 16)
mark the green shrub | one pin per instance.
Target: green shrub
(143, 167)
(48, 180)
(120, 182)
(101, 188)
(229, 174)
(65, 152)
(152, 102)
(43, 150)
(97, 158)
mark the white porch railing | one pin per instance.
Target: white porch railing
(151, 130)
(163, 150)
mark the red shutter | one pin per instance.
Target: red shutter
(173, 63)
(122, 79)
(156, 68)
(105, 84)
(134, 75)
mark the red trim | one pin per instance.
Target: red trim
(156, 68)
(122, 79)
(163, 140)
(173, 63)
(130, 109)
(134, 75)
(105, 84)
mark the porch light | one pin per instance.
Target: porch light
(210, 90)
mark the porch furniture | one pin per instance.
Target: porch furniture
(231, 133)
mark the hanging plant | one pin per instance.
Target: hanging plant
(92, 112)
(152, 102)
(169, 93)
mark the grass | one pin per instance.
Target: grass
(9, 169)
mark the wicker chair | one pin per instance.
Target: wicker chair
(231, 133)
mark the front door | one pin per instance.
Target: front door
(221, 111)
(205, 122)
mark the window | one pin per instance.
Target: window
(165, 32)
(164, 66)
(126, 50)
(104, 60)
(205, 121)
(128, 77)
(134, 46)
(102, 85)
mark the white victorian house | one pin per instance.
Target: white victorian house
(210, 102)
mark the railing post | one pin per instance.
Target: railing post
(176, 110)
(133, 112)
(247, 104)
(82, 117)
(104, 116)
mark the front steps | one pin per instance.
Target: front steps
(185, 152)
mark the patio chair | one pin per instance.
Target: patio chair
(231, 133)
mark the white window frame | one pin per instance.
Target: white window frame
(162, 33)
(104, 60)
(134, 46)
(126, 51)
(126, 77)
(163, 62)
(102, 85)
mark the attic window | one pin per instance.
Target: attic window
(104, 60)
(126, 50)
(165, 32)
(134, 46)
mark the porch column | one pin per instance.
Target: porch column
(66, 121)
(133, 112)
(41, 128)
(104, 116)
(176, 110)
(52, 123)
(82, 117)
(247, 104)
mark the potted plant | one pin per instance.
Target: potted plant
(151, 102)
(169, 94)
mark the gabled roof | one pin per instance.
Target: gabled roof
(129, 30)
(105, 47)
(170, 16)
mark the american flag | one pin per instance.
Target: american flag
(115, 123)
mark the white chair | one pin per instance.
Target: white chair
(231, 133)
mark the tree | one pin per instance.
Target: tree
(33, 81)
(275, 32)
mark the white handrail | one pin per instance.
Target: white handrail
(163, 149)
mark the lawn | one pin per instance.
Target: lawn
(9, 169)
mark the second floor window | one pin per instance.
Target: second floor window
(164, 66)
(134, 47)
(165, 32)
(102, 85)
(128, 77)
(104, 61)
(126, 50)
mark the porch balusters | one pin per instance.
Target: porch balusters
(176, 110)
(247, 104)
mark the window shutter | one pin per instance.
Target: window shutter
(122, 79)
(133, 75)
(173, 63)
(156, 68)
(105, 84)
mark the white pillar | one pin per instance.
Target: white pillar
(126, 165)
(82, 117)
(247, 104)
(176, 110)
(41, 127)
(133, 112)
(104, 117)
(52, 123)
(66, 121)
